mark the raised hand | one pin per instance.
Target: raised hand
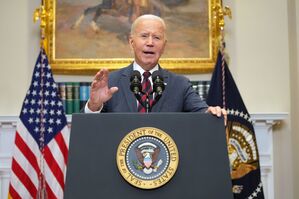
(99, 91)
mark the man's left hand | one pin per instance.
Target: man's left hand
(218, 111)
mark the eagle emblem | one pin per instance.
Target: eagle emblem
(147, 154)
(144, 159)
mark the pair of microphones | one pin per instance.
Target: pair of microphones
(158, 85)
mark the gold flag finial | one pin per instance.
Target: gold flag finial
(44, 16)
(219, 12)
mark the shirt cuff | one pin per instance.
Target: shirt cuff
(87, 110)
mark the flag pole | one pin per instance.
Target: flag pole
(219, 13)
(42, 15)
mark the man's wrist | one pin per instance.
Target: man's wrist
(94, 107)
(87, 110)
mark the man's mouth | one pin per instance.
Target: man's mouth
(148, 52)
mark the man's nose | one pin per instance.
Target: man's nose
(150, 41)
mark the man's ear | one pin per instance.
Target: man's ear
(131, 42)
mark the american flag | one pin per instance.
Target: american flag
(42, 139)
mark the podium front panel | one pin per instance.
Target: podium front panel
(202, 173)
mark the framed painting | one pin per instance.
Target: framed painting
(86, 35)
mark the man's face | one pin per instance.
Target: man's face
(148, 42)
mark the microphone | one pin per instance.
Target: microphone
(135, 80)
(158, 83)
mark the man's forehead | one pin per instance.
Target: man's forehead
(150, 25)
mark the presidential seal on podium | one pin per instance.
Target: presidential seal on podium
(147, 158)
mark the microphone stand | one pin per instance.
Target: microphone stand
(146, 105)
(149, 106)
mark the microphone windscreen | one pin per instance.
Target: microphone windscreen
(156, 74)
(137, 74)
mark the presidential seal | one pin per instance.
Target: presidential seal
(147, 158)
(243, 152)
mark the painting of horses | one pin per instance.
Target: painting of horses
(96, 31)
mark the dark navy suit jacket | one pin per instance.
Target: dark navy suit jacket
(178, 96)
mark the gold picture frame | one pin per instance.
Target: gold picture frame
(76, 47)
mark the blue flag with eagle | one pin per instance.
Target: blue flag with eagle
(241, 141)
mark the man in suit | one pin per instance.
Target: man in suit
(111, 92)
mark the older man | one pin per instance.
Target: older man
(111, 92)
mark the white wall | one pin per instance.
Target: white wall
(18, 51)
(263, 63)
(294, 85)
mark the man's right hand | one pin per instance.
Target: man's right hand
(99, 91)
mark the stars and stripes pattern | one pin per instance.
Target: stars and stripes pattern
(147, 91)
(42, 139)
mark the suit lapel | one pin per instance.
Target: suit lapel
(125, 89)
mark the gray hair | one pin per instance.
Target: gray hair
(146, 17)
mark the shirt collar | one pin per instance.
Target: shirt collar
(141, 70)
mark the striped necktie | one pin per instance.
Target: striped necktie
(146, 89)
